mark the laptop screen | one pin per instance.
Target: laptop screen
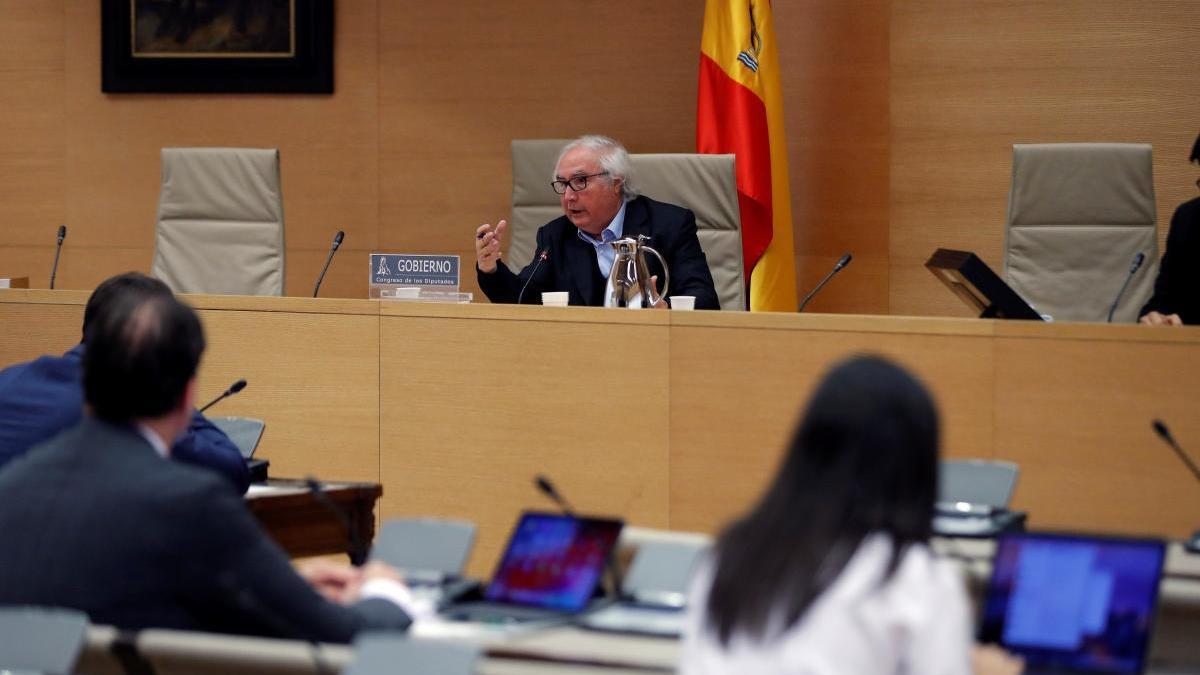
(1077, 603)
(553, 561)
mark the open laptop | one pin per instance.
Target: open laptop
(973, 498)
(1073, 603)
(654, 592)
(549, 569)
(245, 432)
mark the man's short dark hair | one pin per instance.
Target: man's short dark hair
(129, 284)
(140, 355)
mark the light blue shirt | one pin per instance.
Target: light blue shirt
(605, 255)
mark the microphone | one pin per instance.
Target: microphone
(542, 257)
(547, 488)
(1160, 428)
(62, 234)
(337, 241)
(358, 554)
(233, 389)
(1138, 259)
(845, 260)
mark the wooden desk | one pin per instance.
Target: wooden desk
(668, 419)
(340, 520)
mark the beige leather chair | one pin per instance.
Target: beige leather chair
(706, 184)
(1077, 215)
(220, 222)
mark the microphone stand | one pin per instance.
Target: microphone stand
(1160, 428)
(337, 242)
(62, 234)
(1133, 268)
(542, 257)
(836, 268)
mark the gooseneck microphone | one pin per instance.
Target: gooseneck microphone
(845, 260)
(337, 241)
(62, 234)
(542, 257)
(233, 389)
(547, 488)
(1138, 259)
(358, 553)
(1160, 428)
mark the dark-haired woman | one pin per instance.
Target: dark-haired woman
(831, 572)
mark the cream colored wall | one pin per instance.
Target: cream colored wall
(900, 117)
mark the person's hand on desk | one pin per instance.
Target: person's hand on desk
(992, 660)
(1158, 319)
(662, 300)
(487, 246)
(330, 579)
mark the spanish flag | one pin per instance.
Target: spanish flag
(741, 112)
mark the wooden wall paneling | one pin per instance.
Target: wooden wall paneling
(459, 81)
(969, 79)
(834, 63)
(474, 408)
(31, 163)
(737, 391)
(313, 374)
(1075, 413)
(328, 148)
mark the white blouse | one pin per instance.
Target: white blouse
(917, 623)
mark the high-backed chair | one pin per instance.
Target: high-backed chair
(1077, 215)
(220, 222)
(706, 184)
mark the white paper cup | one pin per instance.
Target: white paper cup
(683, 302)
(555, 298)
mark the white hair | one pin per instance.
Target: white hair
(613, 158)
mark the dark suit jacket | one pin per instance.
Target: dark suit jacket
(1177, 288)
(95, 520)
(43, 397)
(571, 264)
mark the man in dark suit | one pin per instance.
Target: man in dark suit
(599, 205)
(98, 520)
(1176, 299)
(41, 398)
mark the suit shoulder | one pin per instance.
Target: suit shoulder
(1189, 213)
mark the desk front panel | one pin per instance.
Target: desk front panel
(312, 369)
(737, 393)
(1074, 410)
(474, 407)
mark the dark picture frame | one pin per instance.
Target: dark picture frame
(303, 65)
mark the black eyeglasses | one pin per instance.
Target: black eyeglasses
(576, 183)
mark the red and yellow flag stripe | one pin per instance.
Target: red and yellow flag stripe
(740, 111)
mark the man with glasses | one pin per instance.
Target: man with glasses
(600, 205)
(1176, 299)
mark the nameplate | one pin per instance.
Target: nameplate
(399, 269)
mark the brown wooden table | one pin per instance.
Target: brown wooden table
(339, 518)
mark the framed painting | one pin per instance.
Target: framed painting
(217, 46)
